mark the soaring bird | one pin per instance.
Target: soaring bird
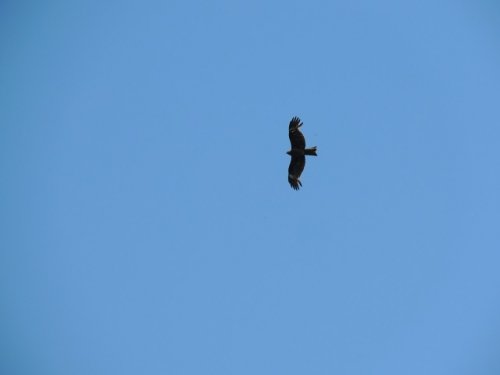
(298, 153)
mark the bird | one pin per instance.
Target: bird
(297, 152)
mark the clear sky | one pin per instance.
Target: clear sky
(146, 221)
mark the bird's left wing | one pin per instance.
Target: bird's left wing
(297, 139)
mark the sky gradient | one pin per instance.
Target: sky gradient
(146, 221)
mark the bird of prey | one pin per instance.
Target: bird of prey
(298, 153)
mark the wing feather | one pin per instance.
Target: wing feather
(297, 164)
(297, 139)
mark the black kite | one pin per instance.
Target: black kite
(298, 153)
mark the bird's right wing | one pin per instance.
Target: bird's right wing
(297, 164)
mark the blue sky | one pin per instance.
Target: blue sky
(147, 225)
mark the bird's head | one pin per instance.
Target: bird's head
(289, 152)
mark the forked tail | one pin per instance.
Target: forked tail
(311, 151)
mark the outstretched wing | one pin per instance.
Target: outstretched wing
(297, 139)
(297, 164)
